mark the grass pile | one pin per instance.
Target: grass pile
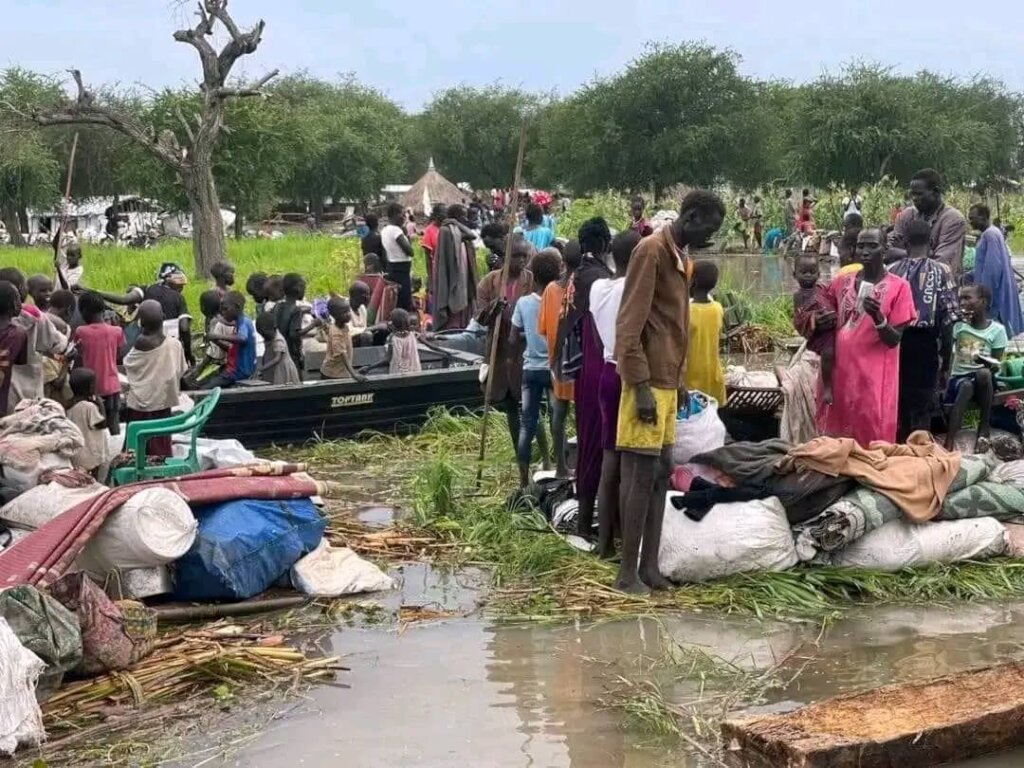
(537, 576)
(189, 669)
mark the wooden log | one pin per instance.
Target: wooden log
(956, 717)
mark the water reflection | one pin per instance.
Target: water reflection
(468, 692)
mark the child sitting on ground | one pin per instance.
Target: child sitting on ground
(99, 347)
(978, 346)
(85, 413)
(241, 359)
(276, 366)
(703, 364)
(401, 352)
(338, 357)
(154, 367)
(812, 305)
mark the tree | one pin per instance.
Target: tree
(677, 114)
(868, 122)
(192, 162)
(473, 133)
(349, 140)
(28, 169)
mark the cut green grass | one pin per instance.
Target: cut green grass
(538, 576)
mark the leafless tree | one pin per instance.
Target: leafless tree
(193, 162)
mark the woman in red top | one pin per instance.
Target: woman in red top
(99, 347)
(429, 244)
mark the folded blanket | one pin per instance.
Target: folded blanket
(864, 510)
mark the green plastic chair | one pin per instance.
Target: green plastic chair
(139, 432)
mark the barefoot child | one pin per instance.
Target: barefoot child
(811, 305)
(978, 345)
(154, 367)
(99, 346)
(338, 359)
(85, 413)
(703, 364)
(401, 352)
(276, 366)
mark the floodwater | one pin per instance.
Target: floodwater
(469, 691)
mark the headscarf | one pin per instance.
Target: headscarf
(170, 272)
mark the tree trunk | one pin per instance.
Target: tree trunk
(207, 225)
(22, 218)
(239, 220)
(10, 216)
(316, 207)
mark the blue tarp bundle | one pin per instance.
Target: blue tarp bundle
(243, 547)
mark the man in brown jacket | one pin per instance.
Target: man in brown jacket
(650, 350)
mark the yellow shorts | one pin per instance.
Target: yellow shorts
(638, 437)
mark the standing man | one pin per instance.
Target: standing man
(789, 213)
(650, 349)
(949, 228)
(993, 269)
(398, 255)
(757, 216)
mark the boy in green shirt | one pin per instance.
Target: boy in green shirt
(978, 346)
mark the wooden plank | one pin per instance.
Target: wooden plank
(956, 717)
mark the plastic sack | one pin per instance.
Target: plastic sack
(21, 720)
(244, 546)
(899, 544)
(1009, 473)
(699, 433)
(213, 454)
(106, 643)
(39, 505)
(46, 628)
(154, 527)
(333, 571)
(732, 538)
(21, 481)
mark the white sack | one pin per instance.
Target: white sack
(21, 720)
(154, 527)
(899, 544)
(732, 538)
(38, 506)
(1009, 473)
(22, 481)
(332, 571)
(699, 433)
(213, 454)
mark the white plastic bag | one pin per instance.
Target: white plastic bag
(732, 538)
(332, 571)
(699, 433)
(213, 454)
(899, 544)
(38, 506)
(154, 527)
(21, 720)
(1009, 473)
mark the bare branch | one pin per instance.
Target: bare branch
(185, 125)
(205, 25)
(253, 90)
(84, 96)
(196, 37)
(219, 10)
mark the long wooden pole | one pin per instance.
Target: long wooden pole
(496, 327)
(64, 212)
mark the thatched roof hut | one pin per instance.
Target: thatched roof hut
(431, 189)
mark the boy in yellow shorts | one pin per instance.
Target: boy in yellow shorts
(650, 350)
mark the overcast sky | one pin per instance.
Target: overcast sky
(412, 49)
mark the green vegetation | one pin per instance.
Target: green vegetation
(538, 576)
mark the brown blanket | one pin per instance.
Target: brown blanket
(915, 476)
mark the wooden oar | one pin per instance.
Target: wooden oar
(496, 328)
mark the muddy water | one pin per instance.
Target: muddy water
(467, 691)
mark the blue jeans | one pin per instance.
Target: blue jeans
(535, 384)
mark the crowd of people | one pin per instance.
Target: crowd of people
(616, 328)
